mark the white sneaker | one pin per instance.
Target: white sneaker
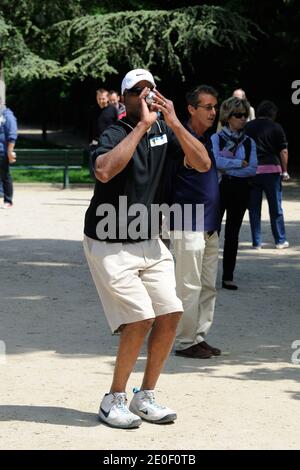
(143, 404)
(114, 412)
(7, 205)
(281, 246)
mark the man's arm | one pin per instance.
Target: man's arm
(10, 152)
(113, 162)
(282, 147)
(284, 156)
(196, 155)
(11, 133)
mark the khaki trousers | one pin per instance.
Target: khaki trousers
(196, 255)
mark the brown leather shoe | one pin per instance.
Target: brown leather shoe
(195, 351)
(207, 347)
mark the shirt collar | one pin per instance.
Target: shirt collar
(203, 138)
(156, 127)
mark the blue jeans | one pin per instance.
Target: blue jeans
(6, 179)
(270, 184)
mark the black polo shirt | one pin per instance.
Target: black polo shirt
(140, 181)
(101, 119)
(270, 140)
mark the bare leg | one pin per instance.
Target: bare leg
(159, 346)
(131, 340)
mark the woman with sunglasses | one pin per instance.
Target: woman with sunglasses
(235, 155)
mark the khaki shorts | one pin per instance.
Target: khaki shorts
(135, 281)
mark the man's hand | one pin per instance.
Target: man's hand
(285, 176)
(196, 155)
(11, 156)
(244, 163)
(167, 108)
(147, 117)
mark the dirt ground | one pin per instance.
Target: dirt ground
(60, 354)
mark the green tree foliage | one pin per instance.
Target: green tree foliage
(56, 39)
(152, 37)
(29, 43)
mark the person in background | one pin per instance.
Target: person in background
(196, 249)
(8, 137)
(235, 155)
(114, 99)
(272, 155)
(239, 93)
(102, 115)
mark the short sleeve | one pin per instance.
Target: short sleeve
(10, 127)
(281, 140)
(109, 139)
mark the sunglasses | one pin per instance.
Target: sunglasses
(239, 115)
(208, 107)
(136, 91)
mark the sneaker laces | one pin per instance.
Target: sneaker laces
(120, 401)
(150, 396)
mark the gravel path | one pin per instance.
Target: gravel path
(60, 354)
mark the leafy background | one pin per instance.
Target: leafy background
(54, 54)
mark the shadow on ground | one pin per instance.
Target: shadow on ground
(48, 415)
(49, 303)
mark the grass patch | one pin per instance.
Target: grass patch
(46, 176)
(50, 176)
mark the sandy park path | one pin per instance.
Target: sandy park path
(60, 354)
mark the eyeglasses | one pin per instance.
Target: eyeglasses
(208, 107)
(136, 91)
(239, 115)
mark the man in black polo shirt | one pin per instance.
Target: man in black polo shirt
(102, 116)
(133, 273)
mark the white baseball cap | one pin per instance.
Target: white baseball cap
(134, 76)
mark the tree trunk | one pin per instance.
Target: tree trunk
(44, 112)
(2, 83)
